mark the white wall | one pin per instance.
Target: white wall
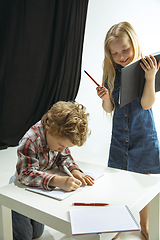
(102, 14)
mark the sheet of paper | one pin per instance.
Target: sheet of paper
(58, 193)
(88, 220)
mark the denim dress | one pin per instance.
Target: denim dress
(134, 142)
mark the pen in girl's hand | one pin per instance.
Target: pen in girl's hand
(92, 78)
(67, 171)
(89, 204)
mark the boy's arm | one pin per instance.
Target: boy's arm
(66, 159)
(66, 183)
(28, 168)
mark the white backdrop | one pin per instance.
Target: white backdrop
(102, 14)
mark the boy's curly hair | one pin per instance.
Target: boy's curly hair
(67, 120)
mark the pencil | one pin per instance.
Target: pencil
(92, 78)
(67, 171)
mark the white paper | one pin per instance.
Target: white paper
(58, 193)
(88, 220)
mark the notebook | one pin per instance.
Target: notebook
(132, 81)
(89, 220)
(58, 193)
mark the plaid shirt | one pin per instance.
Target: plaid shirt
(34, 157)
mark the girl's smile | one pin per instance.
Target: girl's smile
(123, 62)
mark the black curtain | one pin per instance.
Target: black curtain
(41, 43)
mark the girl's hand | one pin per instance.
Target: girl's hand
(103, 93)
(85, 179)
(150, 67)
(66, 183)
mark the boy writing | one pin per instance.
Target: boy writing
(45, 146)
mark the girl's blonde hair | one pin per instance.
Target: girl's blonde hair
(67, 120)
(121, 30)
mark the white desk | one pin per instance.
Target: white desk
(116, 187)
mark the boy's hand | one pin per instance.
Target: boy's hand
(85, 179)
(150, 67)
(66, 183)
(103, 93)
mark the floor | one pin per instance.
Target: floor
(8, 160)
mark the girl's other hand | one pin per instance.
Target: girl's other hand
(150, 67)
(103, 93)
(85, 179)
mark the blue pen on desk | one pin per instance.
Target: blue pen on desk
(67, 171)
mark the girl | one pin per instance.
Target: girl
(134, 143)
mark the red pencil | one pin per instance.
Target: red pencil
(89, 204)
(92, 78)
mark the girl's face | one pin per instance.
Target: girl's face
(57, 144)
(122, 51)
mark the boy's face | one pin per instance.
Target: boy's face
(57, 144)
(122, 51)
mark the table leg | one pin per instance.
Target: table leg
(5, 223)
(88, 237)
(103, 236)
(154, 218)
(107, 236)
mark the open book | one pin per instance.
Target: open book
(58, 193)
(132, 81)
(88, 220)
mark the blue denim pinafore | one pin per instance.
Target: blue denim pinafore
(134, 142)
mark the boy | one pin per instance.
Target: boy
(45, 146)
